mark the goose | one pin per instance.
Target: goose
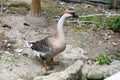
(50, 46)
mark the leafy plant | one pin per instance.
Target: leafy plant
(104, 59)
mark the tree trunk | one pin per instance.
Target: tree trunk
(36, 7)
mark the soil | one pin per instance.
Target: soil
(22, 63)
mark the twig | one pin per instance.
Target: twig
(99, 15)
(82, 22)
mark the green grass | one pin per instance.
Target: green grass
(5, 58)
(106, 22)
(79, 29)
(19, 5)
(117, 53)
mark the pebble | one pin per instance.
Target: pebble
(18, 50)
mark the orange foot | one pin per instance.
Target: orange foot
(53, 62)
(47, 67)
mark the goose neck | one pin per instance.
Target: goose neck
(61, 22)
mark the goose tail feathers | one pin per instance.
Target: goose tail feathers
(29, 44)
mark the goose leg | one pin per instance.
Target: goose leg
(53, 61)
(46, 65)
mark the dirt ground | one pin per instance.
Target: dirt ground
(19, 62)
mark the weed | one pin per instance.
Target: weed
(104, 59)
(116, 25)
(5, 58)
(97, 27)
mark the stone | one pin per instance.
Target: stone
(36, 20)
(95, 74)
(18, 50)
(72, 53)
(114, 77)
(97, 71)
(70, 73)
(1, 31)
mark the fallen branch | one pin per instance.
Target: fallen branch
(83, 22)
(99, 15)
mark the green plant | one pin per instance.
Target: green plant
(97, 27)
(116, 24)
(107, 22)
(5, 58)
(104, 59)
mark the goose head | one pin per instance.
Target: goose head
(71, 13)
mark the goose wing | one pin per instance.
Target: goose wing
(42, 45)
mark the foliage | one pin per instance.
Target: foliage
(107, 22)
(116, 25)
(104, 59)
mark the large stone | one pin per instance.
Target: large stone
(71, 73)
(37, 20)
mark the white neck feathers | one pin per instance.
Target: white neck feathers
(60, 32)
(61, 22)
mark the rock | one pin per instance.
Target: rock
(19, 79)
(73, 53)
(18, 50)
(36, 20)
(114, 43)
(71, 73)
(114, 77)
(97, 72)
(1, 31)
(6, 26)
